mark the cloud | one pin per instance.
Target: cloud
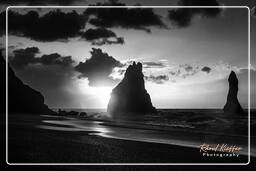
(253, 12)
(104, 41)
(118, 72)
(102, 36)
(57, 25)
(92, 34)
(154, 71)
(109, 3)
(38, 2)
(159, 79)
(182, 17)
(151, 64)
(54, 25)
(183, 70)
(98, 68)
(160, 72)
(198, 3)
(128, 18)
(206, 69)
(56, 59)
(23, 57)
(188, 68)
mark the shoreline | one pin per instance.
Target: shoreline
(28, 144)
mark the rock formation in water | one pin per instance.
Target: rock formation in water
(21, 97)
(130, 95)
(232, 105)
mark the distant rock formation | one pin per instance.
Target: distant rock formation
(71, 113)
(21, 97)
(130, 95)
(232, 105)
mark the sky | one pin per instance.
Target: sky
(75, 57)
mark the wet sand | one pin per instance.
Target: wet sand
(29, 144)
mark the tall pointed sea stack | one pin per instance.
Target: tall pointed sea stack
(130, 95)
(232, 105)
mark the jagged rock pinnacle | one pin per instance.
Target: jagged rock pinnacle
(232, 105)
(130, 94)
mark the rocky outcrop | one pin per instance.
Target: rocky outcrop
(130, 95)
(71, 113)
(232, 105)
(21, 97)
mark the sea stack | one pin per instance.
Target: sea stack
(232, 105)
(130, 95)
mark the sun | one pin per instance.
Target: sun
(102, 94)
(98, 95)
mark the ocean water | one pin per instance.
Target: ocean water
(184, 127)
(205, 120)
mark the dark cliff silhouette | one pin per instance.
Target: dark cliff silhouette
(232, 105)
(21, 97)
(2, 83)
(130, 95)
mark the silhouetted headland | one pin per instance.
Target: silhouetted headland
(130, 95)
(232, 105)
(21, 97)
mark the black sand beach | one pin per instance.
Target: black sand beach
(28, 144)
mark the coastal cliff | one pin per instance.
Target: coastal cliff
(21, 97)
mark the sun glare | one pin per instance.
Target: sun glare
(102, 93)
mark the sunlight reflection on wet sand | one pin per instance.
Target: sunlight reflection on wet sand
(99, 128)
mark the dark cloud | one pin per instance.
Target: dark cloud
(102, 36)
(105, 41)
(173, 73)
(159, 79)
(206, 69)
(109, 3)
(129, 18)
(184, 71)
(92, 34)
(57, 25)
(98, 68)
(38, 2)
(52, 26)
(24, 57)
(151, 64)
(198, 3)
(56, 59)
(188, 68)
(182, 17)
